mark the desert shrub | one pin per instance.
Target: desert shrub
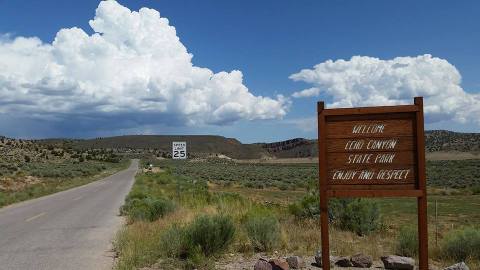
(173, 242)
(192, 193)
(163, 179)
(64, 169)
(476, 190)
(136, 193)
(3, 199)
(462, 244)
(407, 242)
(257, 185)
(361, 216)
(209, 234)
(147, 208)
(205, 236)
(160, 207)
(307, 207)
(223, 200)
(263, 229)
(453, 173)
(283, 186)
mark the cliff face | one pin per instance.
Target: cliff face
(294, 148)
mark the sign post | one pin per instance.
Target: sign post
(372, 152)
(179, 150)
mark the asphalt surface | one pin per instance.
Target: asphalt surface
(72, 229)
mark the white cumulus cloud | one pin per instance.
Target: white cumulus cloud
(368, 81)
(310, 92)
(133, 66)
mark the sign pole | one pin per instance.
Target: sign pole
(422, 185)
(322, 173)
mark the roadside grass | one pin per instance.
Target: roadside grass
(142, 244)
(58, 177)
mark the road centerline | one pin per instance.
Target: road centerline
(35, 217)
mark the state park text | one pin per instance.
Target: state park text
(361, 158)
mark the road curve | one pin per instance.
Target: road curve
(72, 229)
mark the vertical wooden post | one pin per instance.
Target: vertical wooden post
(422, 185)
(322, 174)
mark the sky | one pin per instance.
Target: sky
(252, 70)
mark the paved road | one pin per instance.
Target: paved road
(72, 229)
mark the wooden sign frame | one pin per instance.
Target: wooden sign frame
(403, 119)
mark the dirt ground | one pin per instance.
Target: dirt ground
(451, 156)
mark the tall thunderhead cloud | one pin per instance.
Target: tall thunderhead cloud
(369, 81)
(134, 65)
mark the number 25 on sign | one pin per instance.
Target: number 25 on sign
(179, 150)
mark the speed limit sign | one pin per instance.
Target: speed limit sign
(179, 150)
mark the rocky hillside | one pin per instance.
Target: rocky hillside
(16, 152)
(201, 145)
(294, 148)
(161, 145)
(435, 141)
(443, 140)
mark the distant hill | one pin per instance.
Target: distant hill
(294, 148)
(16, 150)
(435, 141)
(197, 144)
(200, 145)
(446, 141)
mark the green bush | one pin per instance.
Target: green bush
(205, 236)
(147, 208)
(462, 244)
(160, 207)
(210, 234)
(407, 242)
(476, 190)
(173, 242)
(307, 207)
(136, 193)
(263, 230)
(361, 216)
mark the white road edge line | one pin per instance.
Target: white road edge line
(35, 217)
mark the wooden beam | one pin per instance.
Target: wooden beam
(374, 193)
(371, 110)
(422, 185)
(322, 178)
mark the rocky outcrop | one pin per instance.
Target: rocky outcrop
(262, 264)
(398, 262)
(296, 262)
(361, 261)
(343, 262)
(458, 266)
(318, 259)
(279, 264)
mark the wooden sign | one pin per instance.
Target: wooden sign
(372, 152)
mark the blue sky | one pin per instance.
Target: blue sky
(268, 41)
